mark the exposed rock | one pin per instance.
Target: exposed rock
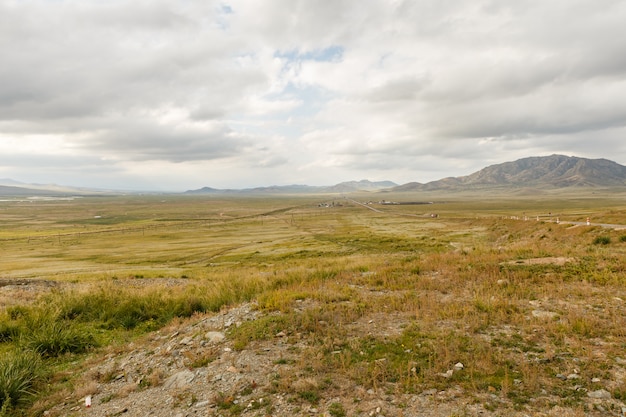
(542, 314)
(600, 394)
(215, 337)
(179, 380)
(187, 341)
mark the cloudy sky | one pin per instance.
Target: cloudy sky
(180, 94)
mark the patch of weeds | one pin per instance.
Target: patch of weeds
(336, 410)
(311, 396)
(490, 406)
(519, 398)
(280, 299)
(108, 376)
(263, 328)
(106, 398)
(584, 327)
(257, 404)
(155, 378)
(619, 392)
(227, 402)
(373, 362)
(194, 359)
(248, 389)
(516, 341)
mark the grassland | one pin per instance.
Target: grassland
(532, 309)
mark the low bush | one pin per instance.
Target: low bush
(602, 240)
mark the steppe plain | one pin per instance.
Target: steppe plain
(172, 305)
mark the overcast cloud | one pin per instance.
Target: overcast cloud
(174, 95)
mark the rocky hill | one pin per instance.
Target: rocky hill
(547, 172)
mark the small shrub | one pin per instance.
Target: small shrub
(602, 240)
(622, 238)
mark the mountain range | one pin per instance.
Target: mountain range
(541, 173)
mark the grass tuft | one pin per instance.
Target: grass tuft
(18, 373)
(54, 338)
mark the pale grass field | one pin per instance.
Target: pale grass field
(468, 286)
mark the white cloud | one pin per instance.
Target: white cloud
(235, 92)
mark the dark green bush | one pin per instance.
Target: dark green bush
(602, 240)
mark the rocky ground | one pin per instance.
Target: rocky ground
(192, 369)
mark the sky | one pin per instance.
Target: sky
(181, 94)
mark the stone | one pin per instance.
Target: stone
(186, 341)
(215, 337)
(458, 366)
(179, 380)
(542, 314)
(600, 394)
(447, 374)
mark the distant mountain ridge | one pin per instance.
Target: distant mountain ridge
(344, 187)
(543, 172)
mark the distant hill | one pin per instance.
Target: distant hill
(12, 188)
(12, 191)
(344, 187)
(542, 172)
